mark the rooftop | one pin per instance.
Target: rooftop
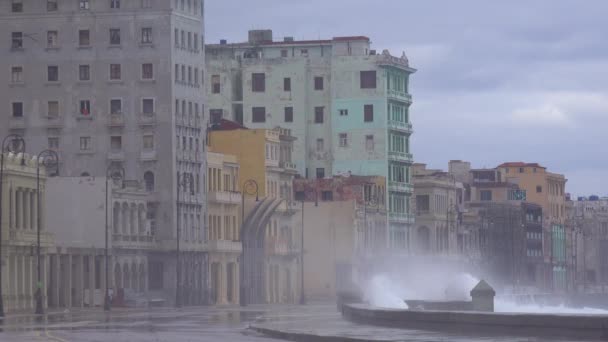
(520, 164)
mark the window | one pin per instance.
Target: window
(146, 35)
(183, 39)
(53, 109)
(53, 143)
(116, 143)
(320, 145)
(84, 4)
(85, 143)
(195, 38)
(215, 115)
(258, 82)
(147, 71)
(319, 115)
(51, 5)
(284, 53)
(51, 39)
(17, 6)
(304, 52)
(343, 112)
(320, 172)
(368, 113)
(521, 170)
(115, 73)
(215, 84)
(369, 142)
(116, 107)
(485, 195)
(17, 109)
(114, 36)
(343, 139)
(17, 40)
(258, 114)
(288, 114)
(149, 181)
(84, 38)
(114, 3)
(84, 73)
(53, 73)
(148, 142)
(423, 203)
(327, 196)
(287, 84)
(368, 79)
(318, 83)
(17, 74)
(539, 189)
(85, 107)
(148, 106)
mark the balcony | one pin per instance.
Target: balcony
(399, 96)
(405, 127)
(147, 119)
(287, 208)
(16, 123)
(280, 247)
(224, 197)
(401, 218)
(402, 157)
(288, 166)
(29, 237)
(400, 187)
(116, 120)
(116, 156)
(133, 241)
(272, 163)
(225, 246)
(149, 155)
(54, 122)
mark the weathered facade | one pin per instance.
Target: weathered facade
(117, 84)
(270, 254)
(347, 105)
(345, 231)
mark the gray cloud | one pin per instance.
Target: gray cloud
(497, 81)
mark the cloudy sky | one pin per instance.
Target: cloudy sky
(497, 80)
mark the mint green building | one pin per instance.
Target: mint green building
(347, 105)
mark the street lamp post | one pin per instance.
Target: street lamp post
(116, 173)
(250, 187)
(17, 144)
(48, 158)
(302, 294)
(186, 181)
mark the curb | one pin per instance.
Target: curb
(307, 337)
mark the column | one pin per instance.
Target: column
(18, 206)
(68, 276)
(26, 210)
(12, 206)
(34, 216)
(91, 280)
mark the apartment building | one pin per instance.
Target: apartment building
(347, 105)
(111, 83)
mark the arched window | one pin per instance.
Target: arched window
(149, 181)
(85, 174)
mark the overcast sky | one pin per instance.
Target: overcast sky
(497, 80)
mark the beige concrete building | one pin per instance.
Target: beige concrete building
(116, 83)
(224, 211)
(19, 233)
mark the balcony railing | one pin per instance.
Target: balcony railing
(400, 186)
(399, 95)
(280, 247)
(116, 155)
(225, 246)
(402, 217)
(29, 236)
(147, 119)
(400, 126)
(148, 155)
(16, 123)
(116, 120)
(133, 241)
(226, 197)
(401, 156)
(288, 166)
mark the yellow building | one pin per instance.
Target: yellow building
(19, 231)
(223, 217)
(549, 191)
(264, 157)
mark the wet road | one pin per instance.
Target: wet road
(205, 324)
